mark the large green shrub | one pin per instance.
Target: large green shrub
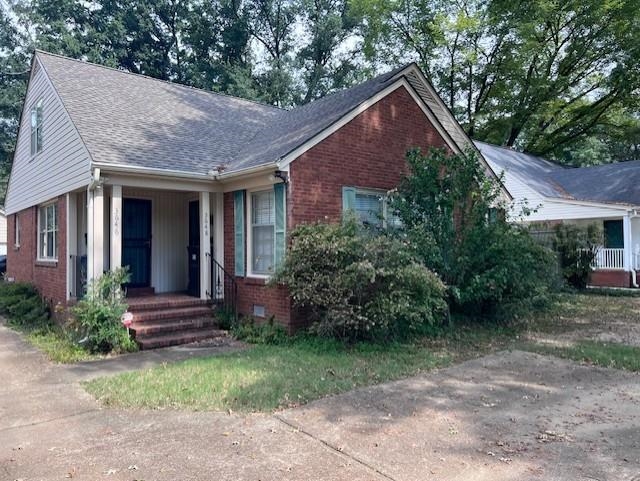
(21, 304)
(353, 285)
(98, 315)
(451, 214)
(576, 247)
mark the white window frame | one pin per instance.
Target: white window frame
(384, 197)
(36, 120)
(44, 208)
(16, 230)
(249, 224)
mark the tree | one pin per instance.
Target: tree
(449, 210)
(14, 73)
(540, 75)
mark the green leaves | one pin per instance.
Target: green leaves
(355, 285)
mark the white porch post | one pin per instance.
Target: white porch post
(95, 228)
(116, 227)
(628, 248)
(72, 243)
(205, 245)
(218, 232)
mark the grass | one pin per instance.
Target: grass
(55, 344)
(618, 356)
(264, 378)
(268, 377)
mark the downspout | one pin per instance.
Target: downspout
(634, 261)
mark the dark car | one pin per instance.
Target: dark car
(3, 264)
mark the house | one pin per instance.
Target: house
(608, 195)
(195, 191)
(3, 233)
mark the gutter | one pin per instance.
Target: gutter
(151, 171)
(249, 170)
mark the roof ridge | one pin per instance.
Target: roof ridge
(148, 77)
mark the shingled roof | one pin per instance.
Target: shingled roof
(134, 120)
(616, 183)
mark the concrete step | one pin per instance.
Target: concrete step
(148, 329)
(172, 314)
(177, 338)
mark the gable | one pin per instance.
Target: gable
(367, 152)
(63, 164)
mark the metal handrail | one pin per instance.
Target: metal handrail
(224, 288)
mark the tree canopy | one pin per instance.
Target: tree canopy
(560, 79)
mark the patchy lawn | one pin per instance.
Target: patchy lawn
(265, 377)
(56, 344)
(268, 377)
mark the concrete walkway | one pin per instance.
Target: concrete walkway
(512, 416)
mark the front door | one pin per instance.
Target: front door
(193, 249)
(136, 240)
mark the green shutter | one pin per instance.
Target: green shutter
(280, 199)
(238, 217)
(348, 199)
(493, 215)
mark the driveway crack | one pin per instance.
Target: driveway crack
(45, 421)
(334, 448)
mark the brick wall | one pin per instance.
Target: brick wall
(367, 152)
(610, 278)
(49, 277)
(251, 290)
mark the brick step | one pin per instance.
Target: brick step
(139, 305)
(148, 329)
(175, 314)
(177, 338)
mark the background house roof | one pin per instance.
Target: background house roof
(616, 183)
(134, 120)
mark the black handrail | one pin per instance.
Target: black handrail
(224, 289)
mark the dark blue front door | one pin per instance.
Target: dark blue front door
(136, 240)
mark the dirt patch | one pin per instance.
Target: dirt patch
(510, 416)
(593, 318)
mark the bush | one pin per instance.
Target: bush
(576, 247)
(98, 316)
(354, 285)
(453, 218)
(246, 329)
(21, 304)
(502, 272)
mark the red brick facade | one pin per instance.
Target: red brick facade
(368, 152)
(49, 277)
(610, 278)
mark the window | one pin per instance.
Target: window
(48, 232)
(262, 244)
(36, 128)
(372, 209)
(16, 230)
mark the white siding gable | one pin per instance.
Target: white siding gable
(63, 164)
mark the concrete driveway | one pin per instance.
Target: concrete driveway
(511, 416)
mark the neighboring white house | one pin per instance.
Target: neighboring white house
(608, 195)
(3, 233)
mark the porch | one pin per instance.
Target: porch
(170, 240)
(172, 243)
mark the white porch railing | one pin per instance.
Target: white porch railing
(607, 258)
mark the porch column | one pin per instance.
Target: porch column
(205, 245)
(218, 232)
(628, 248)
(72, 244)
(116, 227)
(95, 232)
